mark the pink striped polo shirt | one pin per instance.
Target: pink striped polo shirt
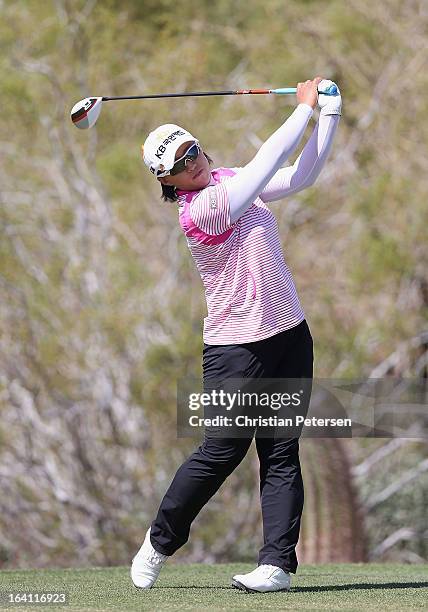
(249, 289)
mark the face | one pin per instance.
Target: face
(195, 176)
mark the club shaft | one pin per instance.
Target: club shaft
(237, 92)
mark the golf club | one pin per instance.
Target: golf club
(85, 113)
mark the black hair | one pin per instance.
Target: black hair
(168, 191)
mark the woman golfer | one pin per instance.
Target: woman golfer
(255, 327)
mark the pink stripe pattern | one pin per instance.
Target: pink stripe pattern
(249, 289)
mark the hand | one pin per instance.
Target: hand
(329, 105)
(307, 92)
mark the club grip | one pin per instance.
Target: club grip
(331, 91)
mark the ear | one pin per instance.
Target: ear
(165, 180)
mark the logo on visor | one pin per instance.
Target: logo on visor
(162, 148)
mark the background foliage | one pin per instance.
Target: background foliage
(102, 308)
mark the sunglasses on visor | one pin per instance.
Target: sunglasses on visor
(190, 155)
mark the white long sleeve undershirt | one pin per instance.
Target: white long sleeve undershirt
(263, 175)
(307, 167)
(219, 206)
(249, 182)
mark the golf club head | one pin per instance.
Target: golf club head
(85, 113)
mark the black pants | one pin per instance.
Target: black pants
(285, 355)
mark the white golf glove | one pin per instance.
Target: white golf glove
(329, 105)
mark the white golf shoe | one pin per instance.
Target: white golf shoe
(147, 564)
(264, 579)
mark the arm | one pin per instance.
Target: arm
(217, 207)
(245, 187)
(308, 165)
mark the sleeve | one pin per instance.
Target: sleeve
(218, 207)
(210, 210)
(246, 186)
(308, 165)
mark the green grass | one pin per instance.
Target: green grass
(198, 587)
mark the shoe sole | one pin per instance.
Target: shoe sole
(242, 587)
(142, 588)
